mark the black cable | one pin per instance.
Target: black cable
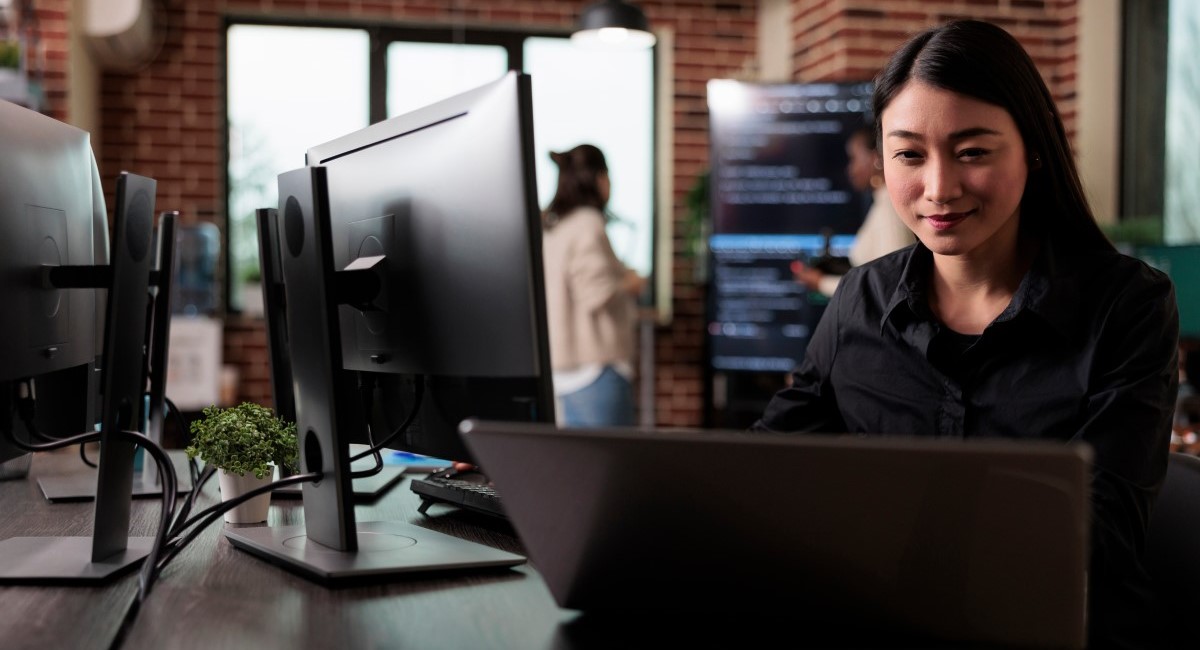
(366, 387)
(83, 456)
(213, 513)
(181, 424)
(418, 395)
(364, 473)
(147, 575)
(186, 508)
(26, 410)
(135, 606)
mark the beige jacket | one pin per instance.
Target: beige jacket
(591, 318)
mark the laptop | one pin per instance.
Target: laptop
(982, 541)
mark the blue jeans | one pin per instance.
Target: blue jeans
(608, 401)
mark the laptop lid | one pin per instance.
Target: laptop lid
(982, 540)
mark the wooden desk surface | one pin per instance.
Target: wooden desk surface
(215, 596)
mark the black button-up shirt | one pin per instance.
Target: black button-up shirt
(1087, 350)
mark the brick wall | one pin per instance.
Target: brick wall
(165, 120)
(47, 55)
(851, 40)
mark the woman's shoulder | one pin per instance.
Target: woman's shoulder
(887, 269)
(876, 281)
(1114, 270)
(581, 222)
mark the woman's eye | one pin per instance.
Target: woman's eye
(973, 153)
(906, 156)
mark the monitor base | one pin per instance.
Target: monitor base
(81, 486)
(386, 549)
(65, 560)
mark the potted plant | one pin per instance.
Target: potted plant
(245, 442)
(251, 296)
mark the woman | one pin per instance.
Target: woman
(590, 304)
(882, 230)
(1013, 316)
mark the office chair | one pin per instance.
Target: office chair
(1173, 549)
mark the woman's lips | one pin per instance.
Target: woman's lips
(947, 220)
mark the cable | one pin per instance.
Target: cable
(366, 387)
(213, 513)
(186, 508)
(83, 455)
(27, 409)
(364, 473)
(418, 395)
(181, 424)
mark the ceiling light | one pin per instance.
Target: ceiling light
(613, 24)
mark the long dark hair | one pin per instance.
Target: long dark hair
(578, 170)
(983, 61)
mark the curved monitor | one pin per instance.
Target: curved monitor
(52, 212)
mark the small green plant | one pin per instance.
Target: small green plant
(251, 274)
(244, 438)
(10, 54)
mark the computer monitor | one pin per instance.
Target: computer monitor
(52, 211)
(410, 249)
(51, 200)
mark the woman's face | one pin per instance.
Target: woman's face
(861, 167)
(955, 169)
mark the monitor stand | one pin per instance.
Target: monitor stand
(110, 550)
(385, 549)
(81, 486)
(65, 560)
(331, 547)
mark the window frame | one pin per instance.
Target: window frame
(380, 35)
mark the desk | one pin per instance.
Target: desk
(214, 596)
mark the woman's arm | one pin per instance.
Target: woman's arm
(809, 403)
(1129, 410)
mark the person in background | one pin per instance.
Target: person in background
(591, 307)
(1013, 316)
(882, 230)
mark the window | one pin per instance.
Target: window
(422, 73)
(1161, 106)
(607, 100)
(288, 88)
(291, 87)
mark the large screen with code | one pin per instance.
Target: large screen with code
(780, 194)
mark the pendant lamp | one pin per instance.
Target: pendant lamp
(613, 24)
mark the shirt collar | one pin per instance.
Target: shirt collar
(1049, 290)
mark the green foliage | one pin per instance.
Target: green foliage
(698, 212)
(1136, 231)
(245, 438)
(10, 54)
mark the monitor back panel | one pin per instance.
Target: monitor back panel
(979, 541)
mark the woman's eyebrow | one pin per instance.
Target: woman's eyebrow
(962, 134)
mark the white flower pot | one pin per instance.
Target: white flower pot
(252, 300)
(253, 511)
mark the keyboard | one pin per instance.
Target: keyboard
(470, 495)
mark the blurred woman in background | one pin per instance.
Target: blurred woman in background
(590, 297)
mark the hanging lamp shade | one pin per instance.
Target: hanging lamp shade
(613, 24)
